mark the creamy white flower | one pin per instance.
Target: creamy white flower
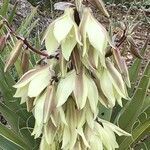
(63, 32)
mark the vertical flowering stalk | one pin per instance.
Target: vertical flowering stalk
(64, 95)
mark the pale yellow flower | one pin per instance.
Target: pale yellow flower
(63, 32)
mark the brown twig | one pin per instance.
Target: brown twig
(122, 39)
(24, 40)
(33, 49)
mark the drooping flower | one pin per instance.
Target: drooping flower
(103, 135)
(78, 133)
(81, 86)
(111, 85)
(32, 83)
(63, 32)
(94, 37)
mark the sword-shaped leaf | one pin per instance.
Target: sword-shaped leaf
(13, 138)
(132, 109)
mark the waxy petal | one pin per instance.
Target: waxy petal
(28, 76)
(96, 33)
(81, 133)
(39, 83)
(104, 136)
(116, 79)
(101, 6)
(29, 104)
(62, 116)
(77, 34)
(118, 97)
(39, 109)
(83, 28)
(50, 132)
(93, 57)
(122, 66)
(21, 92)
(71, 116)
(68, 45)
(66, 137)
(50, 40)
(65, 88)
(107, 87)
(37, 131)
(81, 90)
(44, 145)
(89, 117)
(92, 95)
(49, 104)
(125, 73)
(114, 128)
(93, 139)
(63, 25)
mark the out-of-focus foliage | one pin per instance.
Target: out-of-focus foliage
(16, 134)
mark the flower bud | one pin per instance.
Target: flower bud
(133, 47)
(25, 61)
(122, 66)
(14, 55)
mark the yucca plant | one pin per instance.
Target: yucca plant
(80, 76)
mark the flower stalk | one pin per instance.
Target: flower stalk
(64, 94)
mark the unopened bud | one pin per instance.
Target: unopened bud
(133, 47)
(14, 55)
(25, 61)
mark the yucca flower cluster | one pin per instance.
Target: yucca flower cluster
(64, 95)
